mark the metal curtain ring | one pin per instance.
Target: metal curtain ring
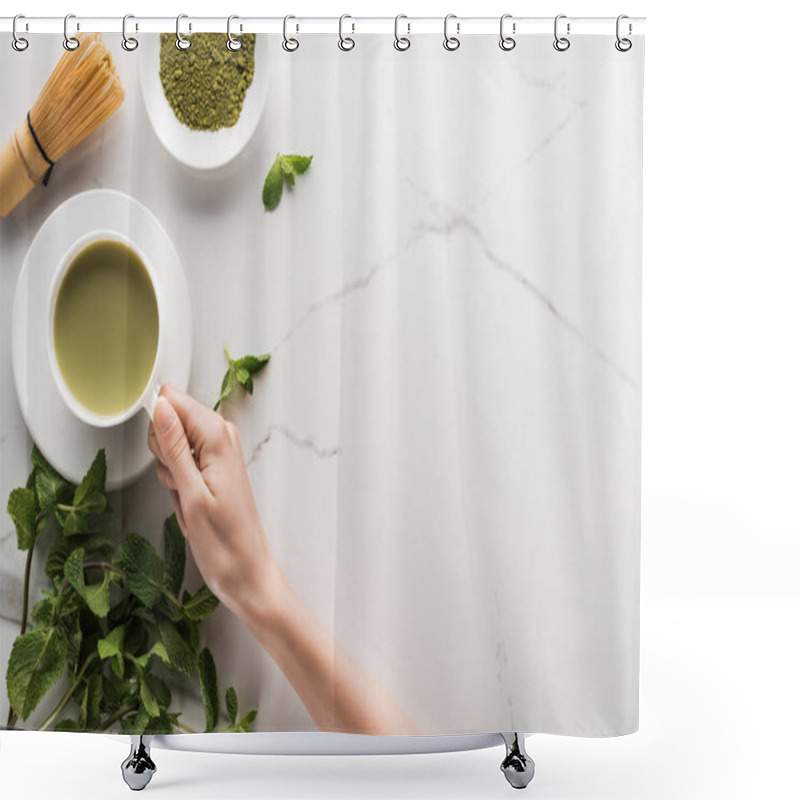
(290, 44)
(181, 42)
(507, 42)
(561, 43)
(19, 43)
(623, 44)
(129, 43)
(451, 42)
(233, 44)
(401, 42)
(346, 43)
(70, 42)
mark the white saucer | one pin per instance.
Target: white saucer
(67, 443)
(204, 150)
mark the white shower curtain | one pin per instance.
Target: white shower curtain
(444, 447)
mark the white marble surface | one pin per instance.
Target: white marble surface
(448, 432)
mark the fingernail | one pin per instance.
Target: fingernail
(163, 415)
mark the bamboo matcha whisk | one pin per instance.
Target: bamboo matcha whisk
(82, 92)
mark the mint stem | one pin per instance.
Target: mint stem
(68, 694)
(116, 717)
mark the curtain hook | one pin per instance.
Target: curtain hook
(70, 42)
(289, 44)
(561, 43)
(129, 43)
(623, 44)
(346, 43)
(401, 42)
(233, 44)
(19, 43)
(181, 42)
(507, 42)
(451, 42)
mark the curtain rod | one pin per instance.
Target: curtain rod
(324, 25)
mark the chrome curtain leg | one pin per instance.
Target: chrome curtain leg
(138, 768)
(517, 766)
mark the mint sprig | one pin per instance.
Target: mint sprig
(283, 170)
(240, 371)
(115, 602)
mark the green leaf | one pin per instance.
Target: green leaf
(136, 725)
(69, 725)
(37, 660)
(180, 653)
(246, 722)
(159, 690)
(208, 688)
(148, 701)
(94, 544)
(297, 164)
(253, 364)
(174, 554)
(201, 606)
(95, 595)
(228, 382)
(23, 510)
(73, 523)
(144, 569)
(157, 649)
(112, 644)
(231, 704)
(90, 495)
(273, 186)
(288, 176)
(43, 610)
(51, 487)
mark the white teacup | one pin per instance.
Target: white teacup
(149, 394)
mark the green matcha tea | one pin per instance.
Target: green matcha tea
(105, 327)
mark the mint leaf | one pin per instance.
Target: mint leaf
(297, 164)
(273, 186)
(208, 688)
(228, 383)
(231, 704)
(148, 700)
(51, 487)
(174, 554)
(284, 169)
(90, 495)
(95, 595)
(157, 649)
(72, 522)
(62, 547)
(43, 610)
(180, 653)
(252, 364)
(241, 371)
(112, 644)
(246, 722)
(144, 569)
(201, 606)
(23, 510)
(37, 660)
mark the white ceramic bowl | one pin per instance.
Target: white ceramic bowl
(202, 150)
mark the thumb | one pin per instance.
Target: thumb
(175, 450)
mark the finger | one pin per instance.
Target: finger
(176, 452)
(166, 479)
(203, 426)
(152, 442)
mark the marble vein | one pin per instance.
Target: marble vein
(305, 442)
(457, 221)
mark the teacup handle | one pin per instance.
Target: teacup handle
(150, 400)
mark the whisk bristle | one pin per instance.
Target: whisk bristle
(82, 92)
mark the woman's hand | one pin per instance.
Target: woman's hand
(200, 461)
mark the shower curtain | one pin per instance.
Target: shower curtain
(440, 254)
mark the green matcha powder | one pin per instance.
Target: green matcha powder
(206, 84)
